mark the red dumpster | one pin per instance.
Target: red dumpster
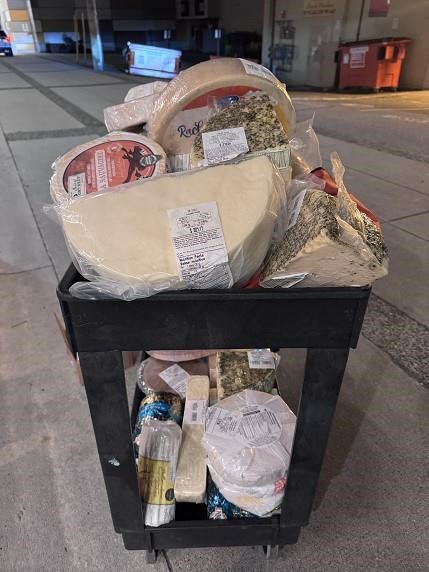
(373, 64)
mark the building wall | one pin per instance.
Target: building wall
(241, 15)
(317, 38)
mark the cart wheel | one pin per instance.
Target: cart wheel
(151, 556)
(271, 552)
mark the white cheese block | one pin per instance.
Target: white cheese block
(328, 248)
(130, 115)
(191, 475)
(145, 89)
(182, 108)
(109, 161)
(124, 236)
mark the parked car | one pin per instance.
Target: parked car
(5, 45)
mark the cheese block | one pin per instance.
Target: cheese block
(191, 475)
(131, 115)
(116, 159)
(145, 89)
(151, 370)
(262, 128)
(248, 439)
(327, 247)
(183, 107)
(234, 373)
(123, 240)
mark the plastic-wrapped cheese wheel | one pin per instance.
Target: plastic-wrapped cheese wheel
(115, 159)
(249, 438)
(180, 355)
(182, 108)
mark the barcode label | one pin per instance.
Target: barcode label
(261, 359)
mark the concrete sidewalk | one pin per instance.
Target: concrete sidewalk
(372, 505)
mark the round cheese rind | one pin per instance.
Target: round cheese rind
(115, 159)
(124, 236)
(181, 109)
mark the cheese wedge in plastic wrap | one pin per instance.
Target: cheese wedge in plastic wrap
(191, 474)
(145, 89)
(122, 240)
(182, 108)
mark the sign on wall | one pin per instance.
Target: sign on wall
(320, 7)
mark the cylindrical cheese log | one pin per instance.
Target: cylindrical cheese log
(109, 161)
(182, 108)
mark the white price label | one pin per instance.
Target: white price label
(261, 359)
(253, 68)
(259, 426)
(199, 246)
(295, 206)
(224, 145)
(77, 185)
(195, 411)
(177, 378)
(222, 422)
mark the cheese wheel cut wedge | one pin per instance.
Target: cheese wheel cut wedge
(181, 109)
(145, 89)
(124, 236)
(116, 159)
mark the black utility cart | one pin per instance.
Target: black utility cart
(326, 321)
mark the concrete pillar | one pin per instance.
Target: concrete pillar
(16, 21)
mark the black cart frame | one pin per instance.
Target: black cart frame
(326, 321)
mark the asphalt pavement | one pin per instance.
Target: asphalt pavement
(371, 511)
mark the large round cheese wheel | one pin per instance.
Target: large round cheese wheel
(109, 161)
(249, 438)
(182, 108)
(180, 355)
(125, 236)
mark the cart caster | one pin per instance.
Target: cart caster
(151, 556)
(271, 552)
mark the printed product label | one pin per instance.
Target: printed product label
(177, 378)
(283, 280)
(295, 208)
(224, 144)
(188, 122)
(259, 426)
(223, 423)
(253, 68)
(156, 481)
(77, 185)
(199, 246)
(195, 411)
(110, 164)
(261, 359)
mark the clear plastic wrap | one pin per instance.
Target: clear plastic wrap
(115, 159)
(218, 508)
(207, 228)
(241, 369)
(191, 474)
(156, 376)
(145, 89)
(249, 439)
(305, 151)
(160, 406)
(329, 242)
(130, 115)
(158, 453)
(182, 108)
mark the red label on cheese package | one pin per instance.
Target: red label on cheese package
(109, 164)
